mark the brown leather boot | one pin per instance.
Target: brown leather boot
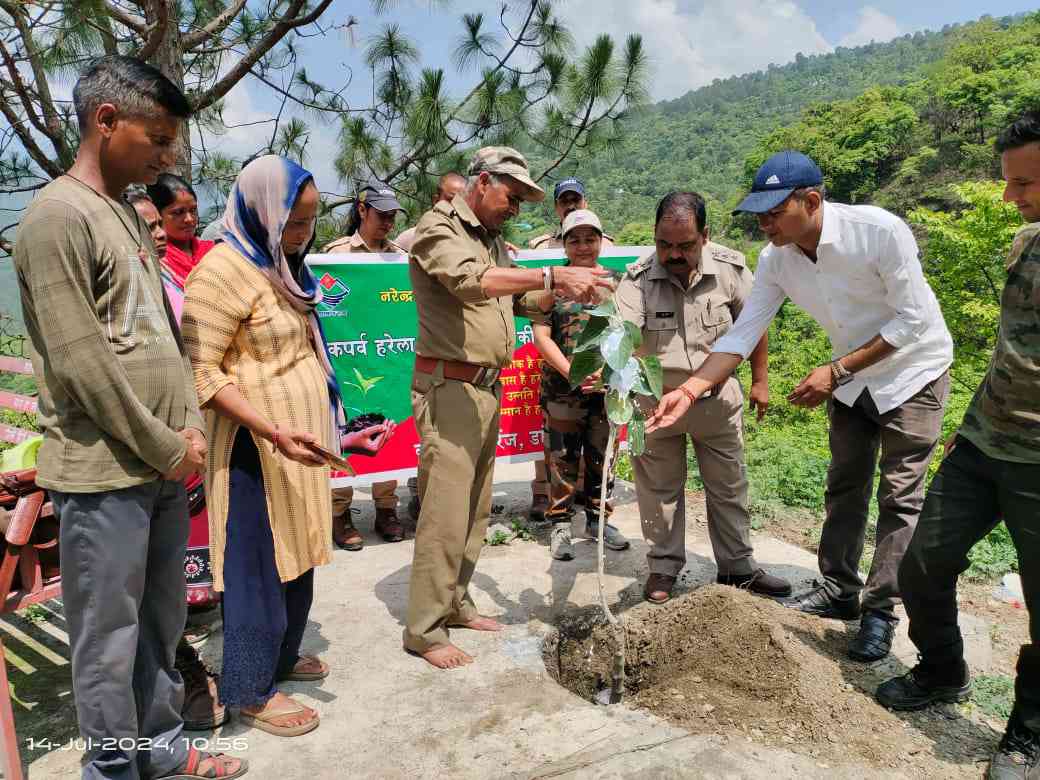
(388, 526)
(344, 534)
(202, 710)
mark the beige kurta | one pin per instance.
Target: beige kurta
(238, 329)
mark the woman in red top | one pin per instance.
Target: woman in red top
(179, 214)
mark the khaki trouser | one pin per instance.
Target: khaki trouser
(383, 496)
(906, 437)
(458, 429)
(716, 426)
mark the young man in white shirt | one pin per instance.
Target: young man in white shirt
(856, 270)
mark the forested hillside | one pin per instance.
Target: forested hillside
(702, 141)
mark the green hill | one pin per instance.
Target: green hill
(701, 140)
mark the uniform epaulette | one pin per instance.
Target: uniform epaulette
(445, 207)
(639, 266)
(537, 241)
(726, 255)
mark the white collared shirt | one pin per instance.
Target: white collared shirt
(867, 280)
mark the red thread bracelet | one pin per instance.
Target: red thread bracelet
(688, 393)
(275, 438)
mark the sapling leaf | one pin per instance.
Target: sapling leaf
(605, 309)
(637, 434)
(619, 407)
(626, 379)
(592, 334)
(653, 374)
(634, 334)
(584, 364)
(616, 347)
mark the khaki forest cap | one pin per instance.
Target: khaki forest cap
(580, 218)
(505, 161)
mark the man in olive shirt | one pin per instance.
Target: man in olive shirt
(683, 297)
(121, 424)
(466, 292)
(991, 472)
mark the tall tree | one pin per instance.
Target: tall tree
(523, 88)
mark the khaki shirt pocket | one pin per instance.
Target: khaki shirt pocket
(661, 333)
(717, 319)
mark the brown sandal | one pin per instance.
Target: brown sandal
(295, 676)
(262, 720)
(218, 769)
(658, 583)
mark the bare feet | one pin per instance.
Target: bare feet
(447, 656)
(479, 624)
(278, 702)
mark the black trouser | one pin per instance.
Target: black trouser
(970, 494)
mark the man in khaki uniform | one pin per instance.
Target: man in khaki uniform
(683, 297)
(466, 292)
(371, 220)
(448, 186)
(568, 196)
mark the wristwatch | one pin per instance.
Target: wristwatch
(840, 375)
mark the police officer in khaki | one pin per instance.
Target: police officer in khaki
(568, 197)
(448, 186)
(467, 291)
(371, 219)
(683, 297)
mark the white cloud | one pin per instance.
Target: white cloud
(873, 26)
(691, 45)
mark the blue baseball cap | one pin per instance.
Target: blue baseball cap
(778, 177)
(568, 185)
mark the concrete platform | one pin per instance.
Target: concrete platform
(388, 715)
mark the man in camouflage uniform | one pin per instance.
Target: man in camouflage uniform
(568, 196)
(991, 472)
(683, 297)
(575, 421)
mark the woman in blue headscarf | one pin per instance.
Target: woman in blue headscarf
(263, 376)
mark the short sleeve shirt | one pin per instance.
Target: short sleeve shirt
(680, 325)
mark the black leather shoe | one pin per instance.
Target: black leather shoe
(820, 603)
(920, 687)
(874, 640)
(1018, 757)
(757, 582)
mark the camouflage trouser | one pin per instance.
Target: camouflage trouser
(576, 430)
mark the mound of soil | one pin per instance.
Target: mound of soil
(363, 421)
(719, 660)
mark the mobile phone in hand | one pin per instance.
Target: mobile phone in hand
(334, 460)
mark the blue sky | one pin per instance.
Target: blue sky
(690, 42)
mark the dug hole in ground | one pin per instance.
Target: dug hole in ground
(720, 683)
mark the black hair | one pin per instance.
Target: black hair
(134, 87)
(680, 205)
(164, 191)
(1025, 129)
